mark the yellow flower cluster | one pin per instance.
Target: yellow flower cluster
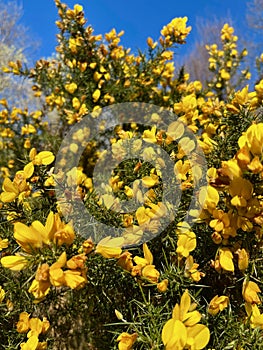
(41, 248)
(175, 31)
(36, 237)
(183, 330)
(33, 326)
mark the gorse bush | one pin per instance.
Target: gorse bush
(181, 267)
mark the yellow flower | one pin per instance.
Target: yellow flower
(255, 317)
(181, 169)
(226, 32)
(221, 220)
(183, 328)
(231, 169)
(110, 247)
(191, 271)
(3, 243)
(241, 191)
(30, 238)
(150, 273)
(70, 278)
(87, 246)
(41, 158)
(225, 75)
(197, 337)
(141, 216)
(250, 292)
(174, 335)
(125, 261)
(150, 135)
(74, 279)
(14, 262)
(2, 294)
(226, 259)
(162, 286)
(144, 266)
(186, 243)
(31, 344)
(36, 235)
(150, 181)
(255, 165)
(176, 28)
(243, 157)
(22, 325)
(253, 139)
(126, 340)
(243, 259)
(175, 130)
(41, 285)
(77, 9)
(62, 233)
(208, 198)
(218, 304)
(18, 188)
(35, 325)
(96, 95)
(28, 129)
(76, 103)
(151, 44)
(71, 88)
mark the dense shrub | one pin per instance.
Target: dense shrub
(191, 283)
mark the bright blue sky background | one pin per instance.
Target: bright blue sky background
(138, 18)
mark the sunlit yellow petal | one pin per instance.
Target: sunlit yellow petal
(73, 279)
(147, 254)
(201, 335)
(174, 334)
(14, 263)
(8, 197)
(8, 186)
(31, 344)
(46, 157)
(28, 170)
(226, 259)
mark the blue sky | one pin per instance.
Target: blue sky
(138, 18)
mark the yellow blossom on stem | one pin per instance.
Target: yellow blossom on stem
(226, 259)
(191, 271)
(2, 294)
(208, 198)
(255, 317)
(253, 139)
(16, 188)
(22, 325)
(41, 285)
(14, 262)
(183, 329)
(185, 244)
(162, 286)
(125, 261)
(71, 88)
(126, 340)
(243, 259)
(176, 30)
(3, 243)
(241, 191)
(70, 278)
(96, 95)
(218, 304)
(31, 343)
(37, 235)
(250, 292)
(110, 247)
